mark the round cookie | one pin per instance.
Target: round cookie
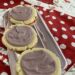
(23, 14)
(38, 61)
(19, 37)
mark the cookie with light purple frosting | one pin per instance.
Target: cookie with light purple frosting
(23, 14)
(38, 61)
(20, 15)
(19, 37)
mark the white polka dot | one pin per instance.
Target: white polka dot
(44, 9)
(6, 61)
(22, 2)
(53, 17)
(4, 73)
(11, 2)
(73, 36)
(54, 29)
(69, 61)
(5, 4)
(47, 16)
(73, 44)
(51, 11)
(1, 57)
(62, 46)
(50, 22)
(64, 36)
(41, 12)
(56, 38)
(61, 14)
(62, 22)
(38, 8)
(72, 28)
(69, 17)
(63, 28)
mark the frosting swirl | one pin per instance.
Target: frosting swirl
(21, 13)
(19, 36)
(37, 63)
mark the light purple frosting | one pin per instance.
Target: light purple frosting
(19, 36)
(21, 13)
(38, 63)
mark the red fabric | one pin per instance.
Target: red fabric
(47, 1)
(8, 3)
(56, 30)
(16, 2)
(3, 67)
(64, 32)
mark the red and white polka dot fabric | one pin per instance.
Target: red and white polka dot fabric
(4, 4)
(62, 26)
(4, 65)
